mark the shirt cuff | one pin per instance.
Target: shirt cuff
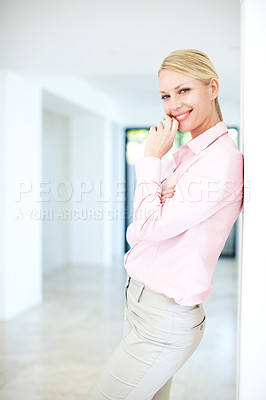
(148, 169)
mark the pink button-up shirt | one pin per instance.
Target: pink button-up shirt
(175, 246)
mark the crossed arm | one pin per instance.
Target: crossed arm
(205, 188)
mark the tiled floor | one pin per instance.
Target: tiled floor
(57, 350)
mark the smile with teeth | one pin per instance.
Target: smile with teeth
(182, 116)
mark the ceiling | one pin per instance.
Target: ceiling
(117, 46)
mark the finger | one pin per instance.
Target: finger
(159, 126)
(175, 126)
(168, 191)
(164, 199)
(165, 116)
(168, 122)
(171, 188)
(167, 196)
(152, 129)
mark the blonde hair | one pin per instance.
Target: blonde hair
(193, 63)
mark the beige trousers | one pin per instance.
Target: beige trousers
(159, 336)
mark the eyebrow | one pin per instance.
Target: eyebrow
(161, 91)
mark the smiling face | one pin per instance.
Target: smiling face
(189, 100)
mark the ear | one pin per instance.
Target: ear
(214, 88)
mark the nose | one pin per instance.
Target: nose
(176, 104)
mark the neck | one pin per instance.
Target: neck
(207, 124)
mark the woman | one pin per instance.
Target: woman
(182, 218)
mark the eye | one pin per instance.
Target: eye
(184, 90)
(165, 97)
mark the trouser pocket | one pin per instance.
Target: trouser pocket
(200, 325)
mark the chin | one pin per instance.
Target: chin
(185, 128)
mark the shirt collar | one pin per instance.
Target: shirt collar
(203, 140)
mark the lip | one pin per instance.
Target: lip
(182, 119)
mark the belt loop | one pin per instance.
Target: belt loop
(126, 287)
(140, 293)
(127, 282)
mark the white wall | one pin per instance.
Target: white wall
(3, 108)
(115, 186)
(89, 195)
(56, 191)
(97, 148)
(231, 114)
(96, 165)
(96, 162)
(20, 228)
(252, 319)
(80, 94)
(118, 190)
(94, 154)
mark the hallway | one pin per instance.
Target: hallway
(56, 351)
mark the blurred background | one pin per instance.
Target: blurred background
(81, 74)
(79, 92)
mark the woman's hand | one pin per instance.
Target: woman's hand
(161, 138)
(167, 194)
